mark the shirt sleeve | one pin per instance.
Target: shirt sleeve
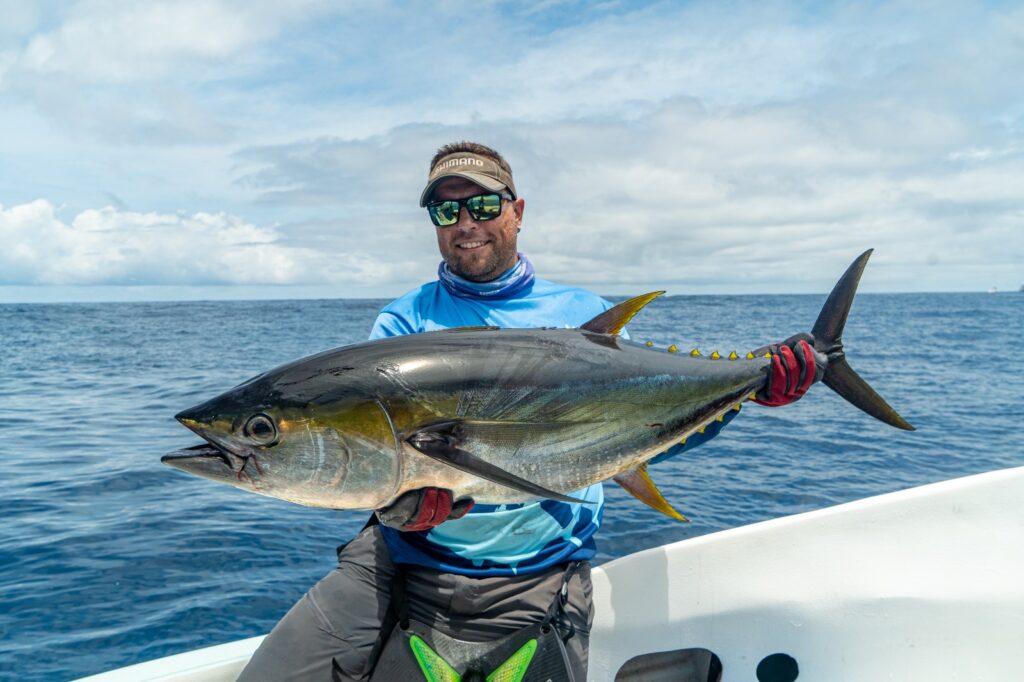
(390, 324)
(710, 431)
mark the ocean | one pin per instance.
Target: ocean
(108, 558)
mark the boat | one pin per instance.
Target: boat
(919, 584)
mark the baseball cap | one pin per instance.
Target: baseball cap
(477, 168)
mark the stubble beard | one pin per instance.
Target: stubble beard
(475, 271)
(480, 270)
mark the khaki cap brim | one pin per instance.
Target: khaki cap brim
(477, 169)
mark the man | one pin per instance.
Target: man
(474, 572)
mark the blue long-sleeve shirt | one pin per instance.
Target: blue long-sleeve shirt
(512, 538)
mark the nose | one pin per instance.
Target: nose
(466, 221)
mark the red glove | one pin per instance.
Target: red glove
(423, 509)
(795, 366)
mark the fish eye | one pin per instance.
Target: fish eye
(261, 429)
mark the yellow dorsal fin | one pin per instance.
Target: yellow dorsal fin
(614, 319)
(639, 484)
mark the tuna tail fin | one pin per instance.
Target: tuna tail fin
(827, 333)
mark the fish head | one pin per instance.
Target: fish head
(337, 451)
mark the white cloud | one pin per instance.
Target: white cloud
(769, 200)
(148, 73)
(773, 199)
(112, 246)
(112, 41)
(698, 145)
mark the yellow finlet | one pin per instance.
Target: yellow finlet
(767, 354)
(733, 356)
(752, 396)
(720, 418)
(638, 483)
(737, 406)
(701, 429)
(750, 355)
(673, 348)
(715, 355)
(649, 344)
(682, 442)
(695, 353)
(614, 319)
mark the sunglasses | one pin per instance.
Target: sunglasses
(481, 207)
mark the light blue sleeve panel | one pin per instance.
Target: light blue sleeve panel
(389, 324)
(401, 316)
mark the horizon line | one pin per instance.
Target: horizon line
(260, 299)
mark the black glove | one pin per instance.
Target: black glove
(423, 509)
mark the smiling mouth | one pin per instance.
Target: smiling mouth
(470, 245)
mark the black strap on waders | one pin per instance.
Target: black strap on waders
(417, 652)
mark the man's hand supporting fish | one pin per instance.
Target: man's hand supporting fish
(795, 367)
(423, 509)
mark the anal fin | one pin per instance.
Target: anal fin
(638, 483)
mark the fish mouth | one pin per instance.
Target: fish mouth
(216, 463)
(206, 460)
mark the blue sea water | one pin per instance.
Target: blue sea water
(108, 557)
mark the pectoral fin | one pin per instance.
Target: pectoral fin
(639, 484)
(439, 441)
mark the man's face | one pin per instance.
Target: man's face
(479, 251)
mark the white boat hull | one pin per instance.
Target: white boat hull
(922, 584)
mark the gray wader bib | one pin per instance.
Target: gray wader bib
(536, 653)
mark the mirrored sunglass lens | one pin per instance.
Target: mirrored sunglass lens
(445, 213)
(484, 206)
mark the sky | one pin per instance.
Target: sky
(260, 149)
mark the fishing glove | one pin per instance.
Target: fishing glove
(795, 366)
(423, 509)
